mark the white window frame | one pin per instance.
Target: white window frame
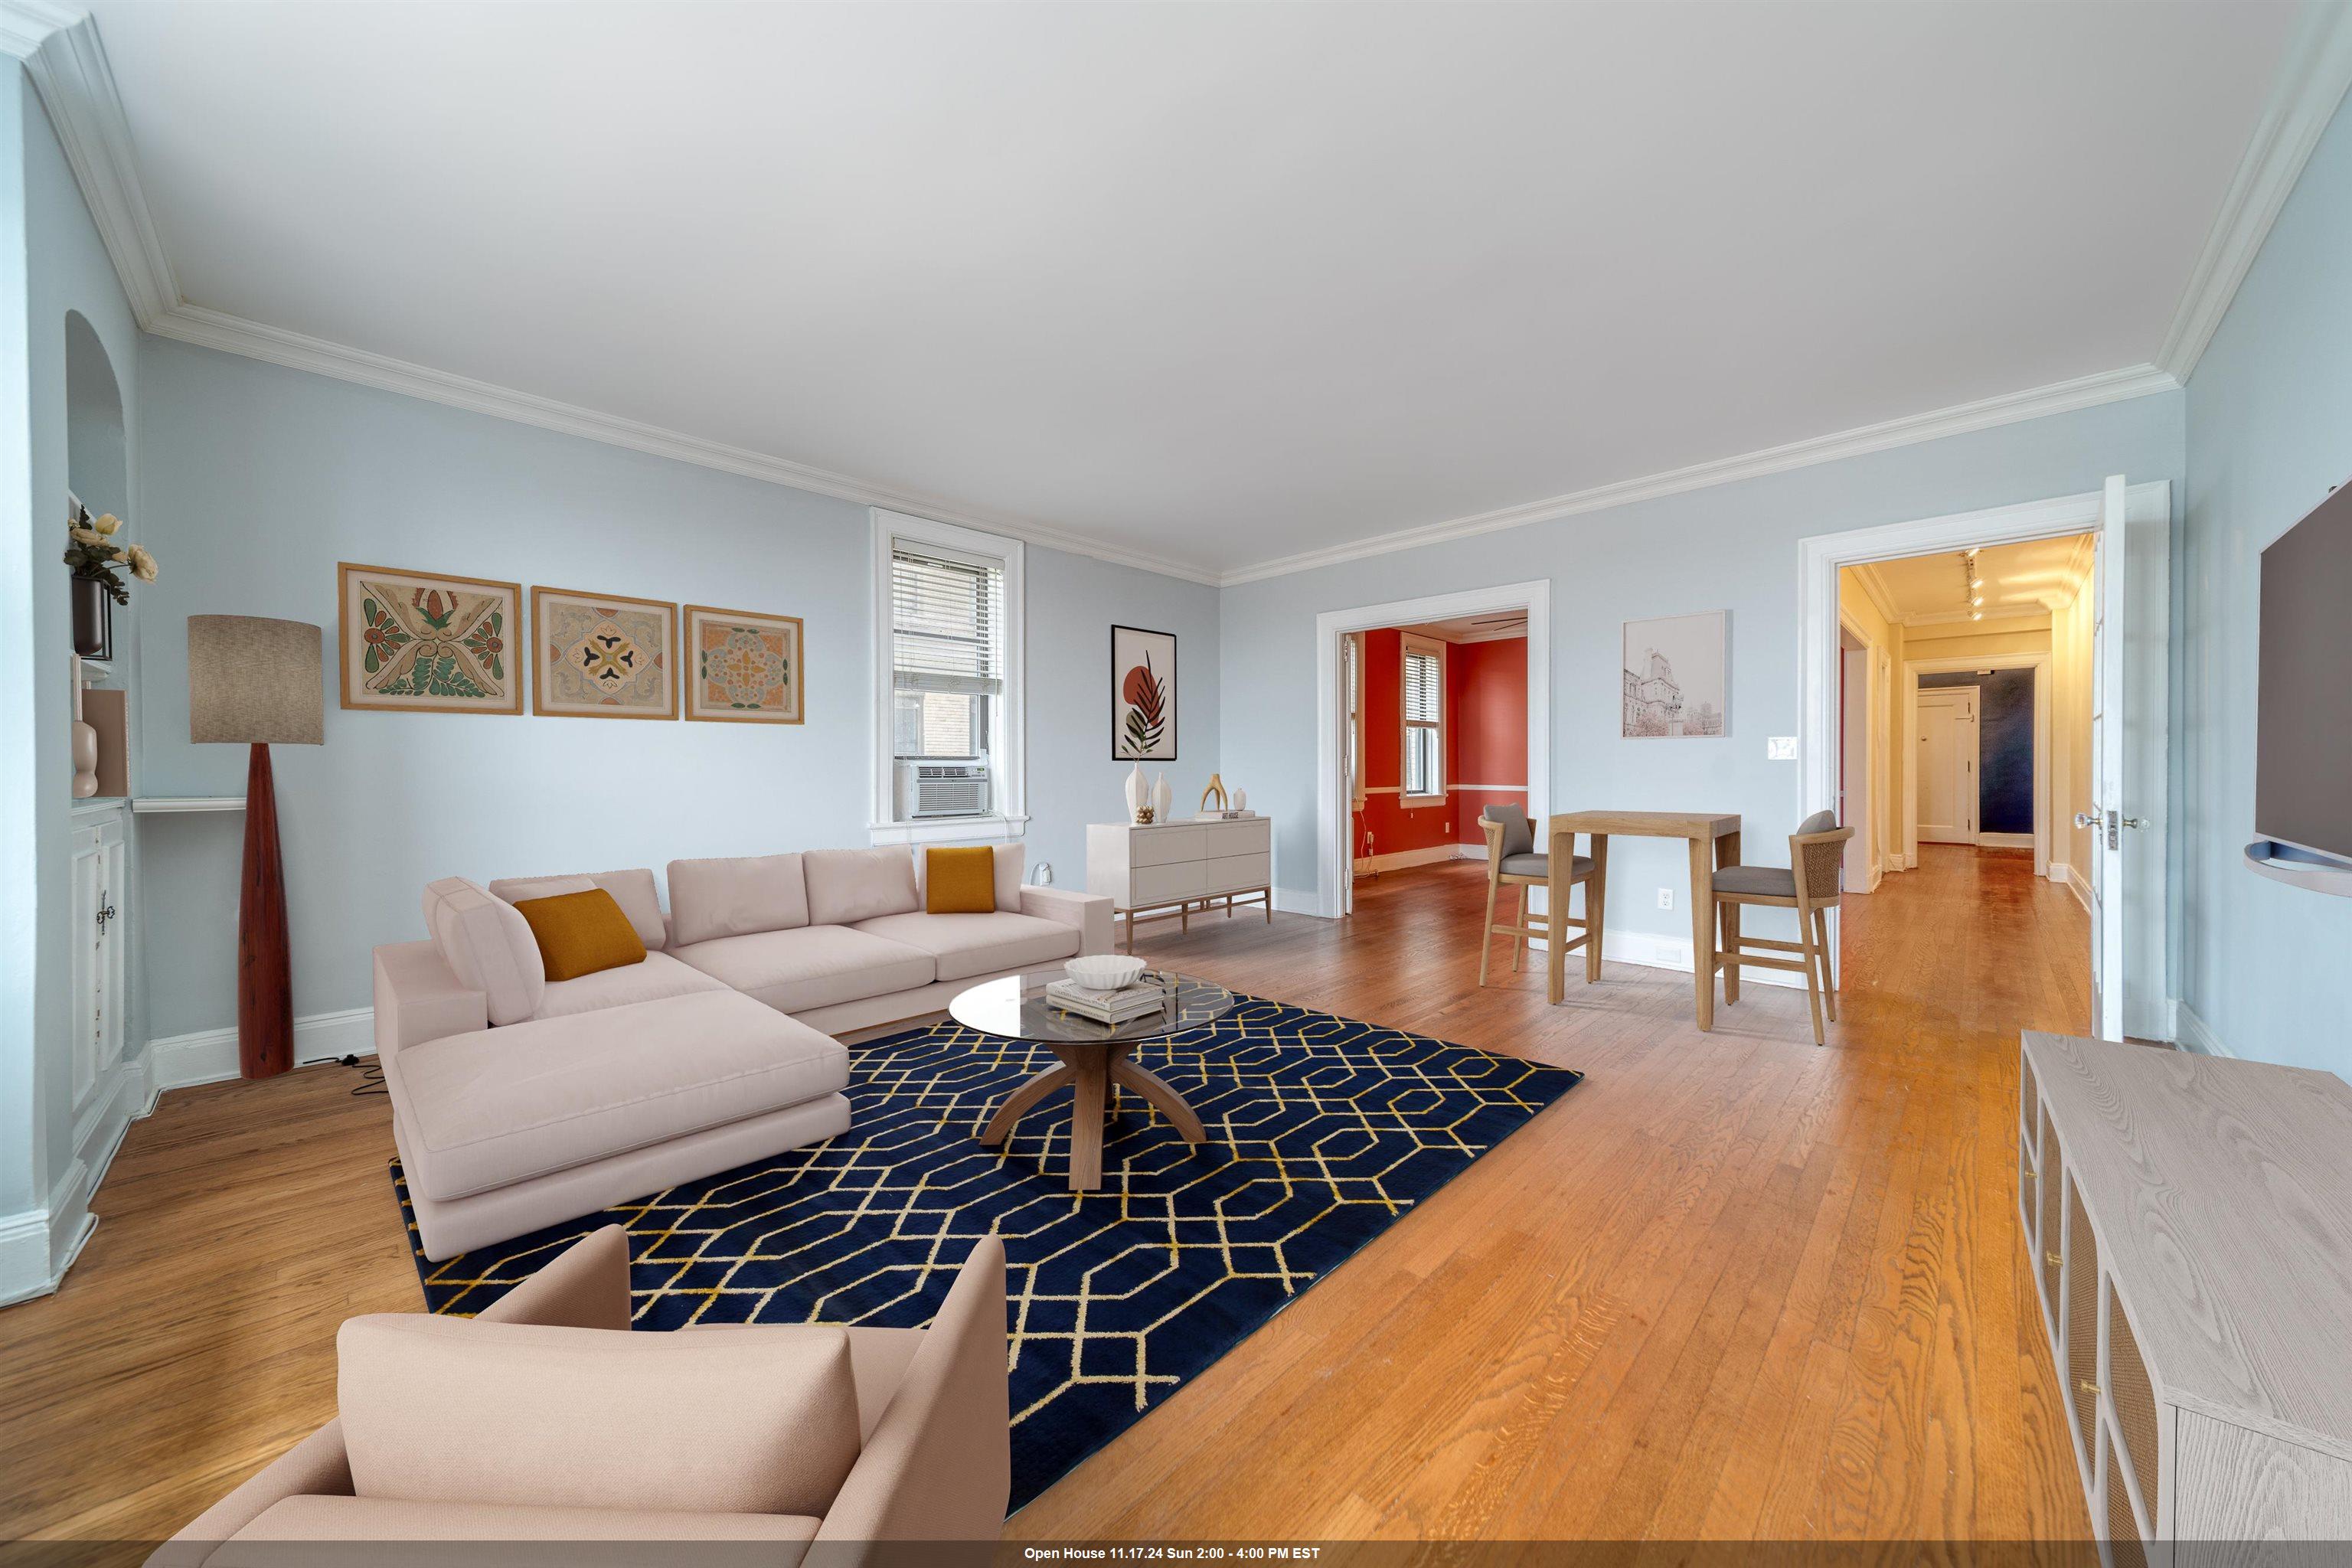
(1008, 733)
(1410, 644)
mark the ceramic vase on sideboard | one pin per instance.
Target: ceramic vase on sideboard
(1139, 794)
(1163, 799)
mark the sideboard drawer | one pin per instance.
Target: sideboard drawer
(1232, 873)
(1167, 845)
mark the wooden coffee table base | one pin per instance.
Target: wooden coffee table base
(1092, 1070)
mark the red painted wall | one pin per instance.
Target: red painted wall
(1486, 741)
(1486, 682)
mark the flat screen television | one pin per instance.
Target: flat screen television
(2303, 747)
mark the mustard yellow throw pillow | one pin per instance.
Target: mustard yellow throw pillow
(581, 933)
(960, 881)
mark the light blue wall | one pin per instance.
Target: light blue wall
(261, 478)
(2270, 429)
(1731, 547)
(65, 269)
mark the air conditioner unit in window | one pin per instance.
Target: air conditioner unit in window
(942, 789)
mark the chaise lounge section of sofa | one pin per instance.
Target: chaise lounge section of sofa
(520, 1102)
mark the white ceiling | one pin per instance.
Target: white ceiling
(2030, 578)
(1214, 283)
(1498, 627)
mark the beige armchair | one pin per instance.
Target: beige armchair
(933, 1462)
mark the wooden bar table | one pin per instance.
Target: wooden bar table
(1713, 843)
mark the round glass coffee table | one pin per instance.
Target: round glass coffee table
(1092, 1058)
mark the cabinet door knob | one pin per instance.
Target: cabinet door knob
(2052, 1260)
(2086, 1386)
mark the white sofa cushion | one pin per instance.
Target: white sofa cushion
(735, 896)
(488, 946)
(500, 1106)
(659, 977)
(632, 890)
(313, 1516)
(966, 945)
(454, 1410)
(815, 966)
(846, 886)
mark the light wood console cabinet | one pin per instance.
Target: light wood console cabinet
(2190, 1221)
(1169, 868)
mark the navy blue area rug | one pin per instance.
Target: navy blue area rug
(1322, 1131)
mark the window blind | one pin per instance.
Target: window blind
(1424, 687)
(947, 617)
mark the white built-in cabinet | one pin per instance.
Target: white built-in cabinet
(101, 973)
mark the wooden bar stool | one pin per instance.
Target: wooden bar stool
(1512, 860)
(1809, 885)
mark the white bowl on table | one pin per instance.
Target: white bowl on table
(1104, 971)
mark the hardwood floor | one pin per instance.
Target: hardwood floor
(1733, 1286)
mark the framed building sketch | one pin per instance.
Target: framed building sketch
(1142, 695)
(1677, 679)
(602, 656)
(743, 668)
(428, 642)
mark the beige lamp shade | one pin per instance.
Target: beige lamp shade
(254, 679)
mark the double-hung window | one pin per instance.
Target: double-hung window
(1424, 722)
(948, 725)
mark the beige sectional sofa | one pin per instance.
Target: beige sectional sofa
(519, 1101)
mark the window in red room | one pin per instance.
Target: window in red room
(1424, 771)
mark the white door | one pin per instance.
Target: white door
(98, 967)
(1948, 765)
(2106, 817)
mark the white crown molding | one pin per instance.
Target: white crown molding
(1874, 588)
(2060, 397)
(2316, 70)
(233, 334)
(1992, 613)
(77, 86)
(25, 25)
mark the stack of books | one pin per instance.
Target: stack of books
(1113, 1007)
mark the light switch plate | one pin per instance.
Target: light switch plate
(1780, 749)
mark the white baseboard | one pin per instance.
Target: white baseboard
(2194, 1034)
(1398, 859)
(2004, 841)
(2157, 1020)
(1297, 901)
(2082, 886)
(1654, 952)
(209, 1056)
(2057, 872)
(24, 1256)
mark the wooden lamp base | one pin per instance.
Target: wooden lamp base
(265, 986)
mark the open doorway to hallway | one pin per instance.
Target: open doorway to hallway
(1973, 757)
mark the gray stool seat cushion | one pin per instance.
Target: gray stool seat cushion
(1773, 881)
(1540, 866)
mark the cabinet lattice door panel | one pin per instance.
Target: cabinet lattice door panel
(2191, 1236)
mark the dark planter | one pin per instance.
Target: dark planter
(93, 619)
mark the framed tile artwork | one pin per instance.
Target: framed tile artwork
(743, 668)
(602, 656)
(428, 642)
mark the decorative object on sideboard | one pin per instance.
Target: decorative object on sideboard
(98, 564)
(257, 682)
(1677, 675)
(1144, 694)
(602, 656)
(1241, 800)
(1216, 792)
(424, 642)
(743, 668)
(1163, 799)
(1139, 794)
(85, 743)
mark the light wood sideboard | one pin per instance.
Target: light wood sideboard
(2189, 1223)
(1166, 870)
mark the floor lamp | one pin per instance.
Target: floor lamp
(254, 682)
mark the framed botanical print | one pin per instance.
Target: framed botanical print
(743, 668)
(1142, 695)
(602, 656)
(428, 642)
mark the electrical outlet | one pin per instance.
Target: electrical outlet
(1665, 897)
(1780, 749)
